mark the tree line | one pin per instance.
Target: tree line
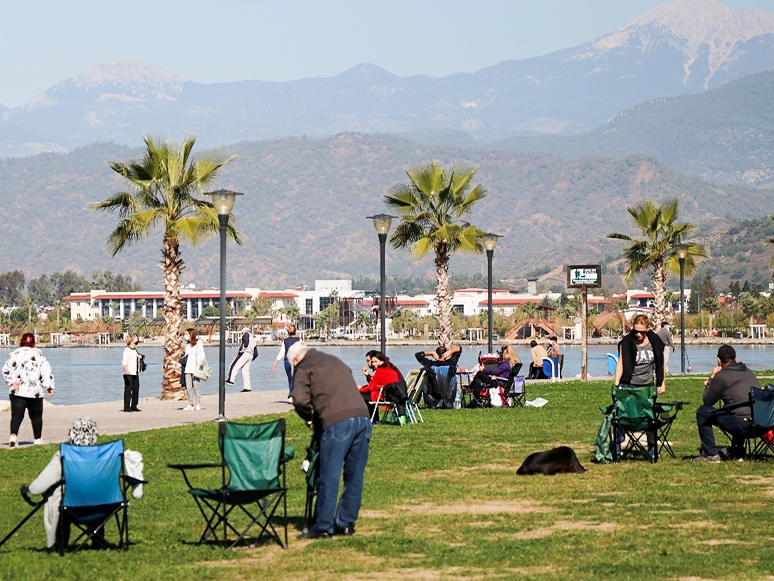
(49, 290)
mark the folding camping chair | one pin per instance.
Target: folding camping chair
(311, 466)
(515, 388)
(95, 493)
(416, 384)
(252, 479)
(762, 422)
(551, 368)
(612, 363)
(635, 413)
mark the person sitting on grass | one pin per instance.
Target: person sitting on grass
(83, 432)
(730, 382)
(384, 374)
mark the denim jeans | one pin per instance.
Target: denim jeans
(344, 444)
(707, 416)
(290, 376)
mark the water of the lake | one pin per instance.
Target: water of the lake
(94, 374)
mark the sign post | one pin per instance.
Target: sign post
(584, 276)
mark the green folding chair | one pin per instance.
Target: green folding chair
(252, 484)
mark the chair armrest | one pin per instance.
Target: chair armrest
(729, 408)
(195, 466)
(131, 481)
(25, 492)
(289, 453)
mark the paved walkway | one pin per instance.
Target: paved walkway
(155, 414)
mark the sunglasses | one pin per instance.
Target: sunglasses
(638, 332)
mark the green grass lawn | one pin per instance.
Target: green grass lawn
(443, 501)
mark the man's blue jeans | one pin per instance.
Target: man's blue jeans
(344, 444)
(708, 416)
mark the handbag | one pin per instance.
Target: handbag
(202, 372)
(141, 362)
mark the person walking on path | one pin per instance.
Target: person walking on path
(325, 391)
(194, 353)
(669, 345)
(29, 377)
(244, 357)
(287, 342)
(730, 382)
(131, 365)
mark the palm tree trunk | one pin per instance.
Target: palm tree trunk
(443, 295)
(659, 293)
(173, 317)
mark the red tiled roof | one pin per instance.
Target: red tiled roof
(215, 294)
(642, 296)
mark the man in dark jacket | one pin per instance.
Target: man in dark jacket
(325, 391)
(730, 383)
(441, 368)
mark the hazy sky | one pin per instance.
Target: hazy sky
(46, 41)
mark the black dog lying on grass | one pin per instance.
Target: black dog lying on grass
(556, 461)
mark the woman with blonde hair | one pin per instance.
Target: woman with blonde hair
(194, 352)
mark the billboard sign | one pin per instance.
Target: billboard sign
(584, 274)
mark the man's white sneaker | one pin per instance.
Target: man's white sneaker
(188, 408)
(198, 408)
(38, 441)
(12, 441)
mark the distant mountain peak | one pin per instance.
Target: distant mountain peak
(125, 81)
(125, 73)
(693, 27)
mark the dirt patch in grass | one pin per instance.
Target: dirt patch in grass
(718, 542)
(491, 507)
(483, 525)
(457, 573)
(564, 525)
(375, 514)
(760, 481)
(696, 524)
(430, 474)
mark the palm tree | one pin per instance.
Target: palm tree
(431, 208)
(163, 189)
(661, 231)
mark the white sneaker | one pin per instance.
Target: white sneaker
(38, 441)
(198, 408)
(188, 408)
(12, 441)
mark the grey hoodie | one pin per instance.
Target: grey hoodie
(731, 385)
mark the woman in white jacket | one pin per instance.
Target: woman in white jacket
(194, 352)
(29, 377)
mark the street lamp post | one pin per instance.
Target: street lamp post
(490, 242)
(382, 223)
(223, 201)
(682, 253)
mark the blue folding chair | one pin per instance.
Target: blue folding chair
(612, 363)
(551, 367)
(94, 495)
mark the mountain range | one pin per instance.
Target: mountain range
(306, 202)
(676, 48)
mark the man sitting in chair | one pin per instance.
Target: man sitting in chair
(730, 382)
(441, 368)
(83, 432)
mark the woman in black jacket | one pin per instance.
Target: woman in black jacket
(640, 357)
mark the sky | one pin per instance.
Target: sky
(43, 42)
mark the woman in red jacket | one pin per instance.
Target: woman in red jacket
(384, 374)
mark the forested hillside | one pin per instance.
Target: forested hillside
(306, 201)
